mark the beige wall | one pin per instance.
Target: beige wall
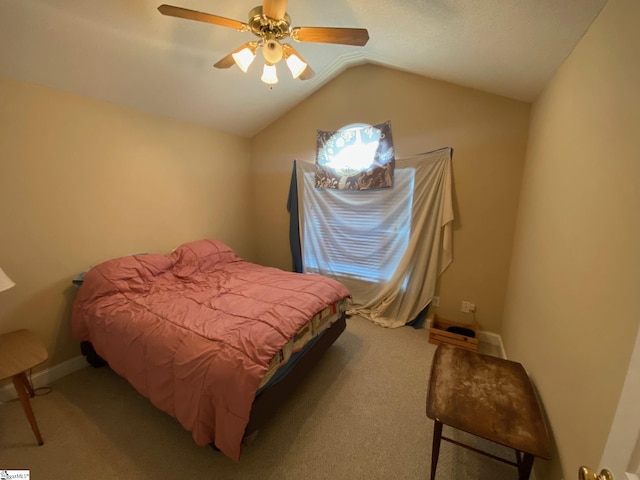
(572, 308)
(488, 134)
(82, 181)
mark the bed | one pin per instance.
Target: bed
(206, 335)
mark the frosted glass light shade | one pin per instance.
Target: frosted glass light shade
(244, 58)
(269, 74)
(296, 65)
(272, 51)
(5, 282)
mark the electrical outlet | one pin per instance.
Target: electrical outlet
(467, 307)
(435, 302)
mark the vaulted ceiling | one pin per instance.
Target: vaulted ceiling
(126, 52)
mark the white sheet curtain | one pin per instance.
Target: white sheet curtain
(387, 246)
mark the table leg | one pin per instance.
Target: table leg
(435, 449)
(27, 384)
(525, 466)
(20, 382)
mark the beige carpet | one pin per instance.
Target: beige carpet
(360, 416)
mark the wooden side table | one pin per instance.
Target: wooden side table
(489, 397)
(20, 351)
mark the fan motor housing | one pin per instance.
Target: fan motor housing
(269, 28)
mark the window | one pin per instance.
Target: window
(351, 149)
(361, 234)
(356, 157)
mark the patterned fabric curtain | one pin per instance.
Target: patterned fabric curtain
(357, 157)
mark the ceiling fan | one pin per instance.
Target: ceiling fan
(271, 24)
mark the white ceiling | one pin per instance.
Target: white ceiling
(126, 52)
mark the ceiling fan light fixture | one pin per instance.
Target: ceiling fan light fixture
(271, 23)
(244, 58)
(295, 64)
(269, 74)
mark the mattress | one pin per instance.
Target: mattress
(306, 334)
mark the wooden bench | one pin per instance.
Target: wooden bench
(488, 397)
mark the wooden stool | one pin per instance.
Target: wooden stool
(488, 397)
(19, 352)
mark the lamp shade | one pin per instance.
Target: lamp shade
(5, 282)
(245, 56)
(269, 75)
(272, 51)
(296, 65)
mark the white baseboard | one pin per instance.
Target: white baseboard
(492, 339)
(46, 376)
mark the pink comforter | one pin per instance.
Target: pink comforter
(194, 331)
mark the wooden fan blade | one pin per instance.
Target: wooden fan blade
(307, 73)
(274, 8)
(179, 12)
(225, 62)
(345, 36)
